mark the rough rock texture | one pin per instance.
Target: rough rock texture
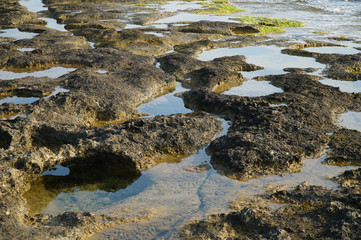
(220, 74)
(309, 212)
(260, 142)
(345, 147)
(350, 179)
(339, 66)
(91, 122)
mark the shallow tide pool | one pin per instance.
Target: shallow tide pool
(159, 201)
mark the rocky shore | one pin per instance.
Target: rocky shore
(94, 120)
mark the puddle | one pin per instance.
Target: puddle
(33, 5)
(64, 181)
(174, 193)
(37, 6)
(253, 88)
(269, 57)
(178, 196)
(26, 49)
(278, 105)
(166, 104)
(345, 86)
(351, 120)
(339, 50)
(19, 100)
(16, 34)
(28, 100)
(52, 73)
(131, 26)
(102, 71)
(57, 171)
(53, 24)
(155, 33)
(57, 90)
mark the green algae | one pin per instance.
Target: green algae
(218, 7)
(267, 25)
(271, 22)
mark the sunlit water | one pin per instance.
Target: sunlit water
(27, 100)
(344, 86)
(351, 120)
(16, 34)
(253, 88)
(37, 6)
(174, 193)
(52, 72)
(269, 57)
(166, 104)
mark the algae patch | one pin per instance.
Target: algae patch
(218, 7)
(269, 25)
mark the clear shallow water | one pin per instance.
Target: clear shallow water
(16, 34)
(336, 17)
(52, 73)
(27, 100)
(351, 120)
(166, 104)
(174, 193)
(253, 88)
(345, 86)
(37, 6)
(26, 49)
(340, 50)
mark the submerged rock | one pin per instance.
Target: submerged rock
(308, 212)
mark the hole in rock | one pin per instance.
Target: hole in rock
(5, 139)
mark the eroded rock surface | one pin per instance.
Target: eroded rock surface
(92, 120)
(260, 142)
(308, 212)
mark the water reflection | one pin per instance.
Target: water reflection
(345, 86)
(253, 88)
(66, 180)
(339, 50)
(351, 120)
(166, 104)
(52, 73)
(269, 57)
(16, 34)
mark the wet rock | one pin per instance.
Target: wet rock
(135, 145)
(300, 70)
(13, 15)
(344, 67)
(264, 140)
(350, 179)
(221, 28)
(345, 148)
(309, 212)
(213, 78)
(219, 74)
